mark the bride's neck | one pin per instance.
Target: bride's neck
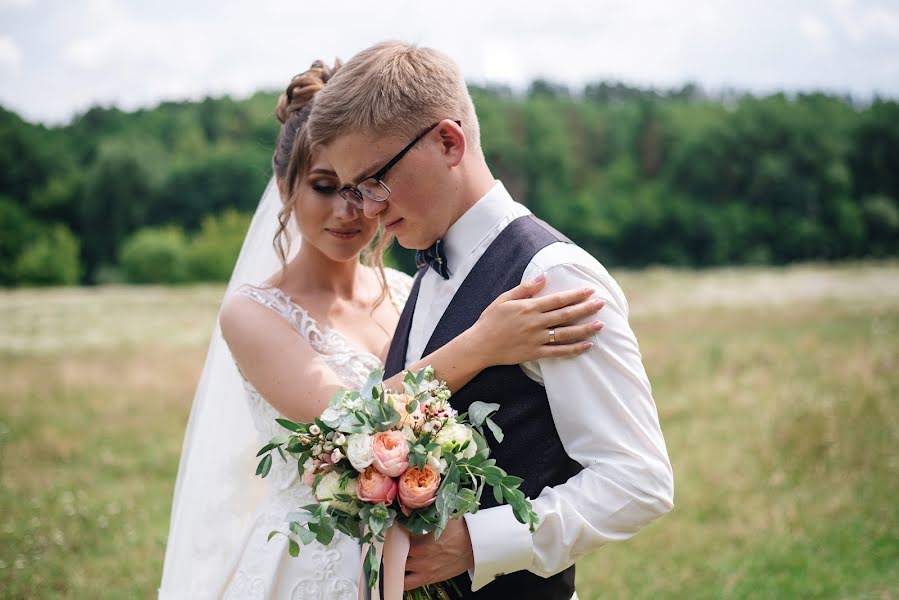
(313, 272)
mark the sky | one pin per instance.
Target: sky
(60, 57)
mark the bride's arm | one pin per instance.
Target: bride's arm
(512, 330)
(280, 364)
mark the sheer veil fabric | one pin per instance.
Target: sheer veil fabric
(216, 491)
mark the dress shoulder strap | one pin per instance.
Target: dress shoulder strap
(298, 317)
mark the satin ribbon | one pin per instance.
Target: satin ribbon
(394, 551)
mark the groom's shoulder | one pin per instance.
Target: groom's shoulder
(579, 266)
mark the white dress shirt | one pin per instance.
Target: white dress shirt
(601, 402)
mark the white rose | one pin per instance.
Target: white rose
(358, 450)
(453, 435)
(329, 487)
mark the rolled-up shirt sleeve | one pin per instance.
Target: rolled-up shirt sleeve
(602, 405)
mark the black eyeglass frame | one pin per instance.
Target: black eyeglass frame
(354, 194)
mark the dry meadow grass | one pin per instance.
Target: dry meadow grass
(777, 390)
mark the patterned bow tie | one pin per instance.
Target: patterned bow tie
(433, 257)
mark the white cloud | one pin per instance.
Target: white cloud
(10, 55)
(815, 32)
(16, 4)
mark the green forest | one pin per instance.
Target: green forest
(636, 176)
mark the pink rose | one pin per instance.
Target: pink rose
(374, 487)
(391, 453)
(418, 488)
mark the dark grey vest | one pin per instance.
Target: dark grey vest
(531, 449)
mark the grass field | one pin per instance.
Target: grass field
(778, 392)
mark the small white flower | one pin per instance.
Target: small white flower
(316, 449)
(336, 456)
(328, 447)
(315, 430)
(339, 439)
(427, 427)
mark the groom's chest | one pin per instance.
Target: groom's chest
(434, 298)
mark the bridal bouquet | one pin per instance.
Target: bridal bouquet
(383, 463)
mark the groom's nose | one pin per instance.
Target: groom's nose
(372, 209)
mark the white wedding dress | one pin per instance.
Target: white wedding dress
(264, 569)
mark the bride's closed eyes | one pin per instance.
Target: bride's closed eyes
(325, 187)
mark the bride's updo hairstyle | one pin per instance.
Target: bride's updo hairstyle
(290, 162)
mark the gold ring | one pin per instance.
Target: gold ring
(552, 335)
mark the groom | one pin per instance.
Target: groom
(399, 127)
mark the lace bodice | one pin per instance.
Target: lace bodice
(263, 571)
(350, 363)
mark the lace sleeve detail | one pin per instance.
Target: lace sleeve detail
(399, 285)
(276, 300)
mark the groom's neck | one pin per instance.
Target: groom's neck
(475, 182)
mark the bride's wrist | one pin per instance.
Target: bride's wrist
(475, 347)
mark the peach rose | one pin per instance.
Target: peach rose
(374, 487)
(418, 488)
(391, 452)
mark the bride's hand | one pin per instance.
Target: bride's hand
(516, 327)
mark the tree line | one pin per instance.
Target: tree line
(636, 176)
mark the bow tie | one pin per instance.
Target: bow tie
(433, 257)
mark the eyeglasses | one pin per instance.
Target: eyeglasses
(372, 187)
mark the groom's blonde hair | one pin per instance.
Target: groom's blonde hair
(393, 88)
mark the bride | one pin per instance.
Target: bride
(321, 321)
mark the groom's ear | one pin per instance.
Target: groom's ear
(452, 142)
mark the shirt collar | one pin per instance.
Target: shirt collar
(476, 223)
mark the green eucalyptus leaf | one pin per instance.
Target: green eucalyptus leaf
(479, 411)
(497, 432)
(512, 481)
(306, 536)
(374, 378)
(325, 532)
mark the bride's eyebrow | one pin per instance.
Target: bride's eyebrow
(321, 171)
